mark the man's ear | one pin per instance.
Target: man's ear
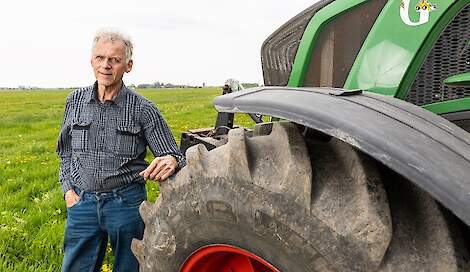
(129, 66)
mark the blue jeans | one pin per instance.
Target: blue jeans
(97, 216)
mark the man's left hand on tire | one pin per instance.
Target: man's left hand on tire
(160, 168)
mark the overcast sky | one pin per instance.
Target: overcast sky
(47, 43)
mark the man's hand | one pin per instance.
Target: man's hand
(71, 198)
(160, 168)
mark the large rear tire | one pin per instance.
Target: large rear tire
(259, 193)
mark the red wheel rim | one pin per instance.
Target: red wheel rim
(224, 258)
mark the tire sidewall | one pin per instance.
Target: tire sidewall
(224, 214)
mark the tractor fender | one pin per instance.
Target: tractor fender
(423, 147)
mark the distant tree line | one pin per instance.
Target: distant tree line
(158, 84)
(250, 85)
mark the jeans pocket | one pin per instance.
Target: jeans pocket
(75, 204)
(133, 198)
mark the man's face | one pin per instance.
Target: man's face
(109, 62)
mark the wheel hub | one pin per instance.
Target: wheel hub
(225, 258)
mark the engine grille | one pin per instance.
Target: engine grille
(449, 56)
(279, 50)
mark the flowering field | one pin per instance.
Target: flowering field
(32, 210)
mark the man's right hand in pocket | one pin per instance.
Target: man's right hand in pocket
(71, 198)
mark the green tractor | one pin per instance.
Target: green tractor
(364, 165)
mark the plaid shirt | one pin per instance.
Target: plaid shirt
(102, 146)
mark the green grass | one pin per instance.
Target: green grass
(32, 210)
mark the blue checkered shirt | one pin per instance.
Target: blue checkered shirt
(102, 146)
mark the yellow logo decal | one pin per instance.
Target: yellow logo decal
(423, 8)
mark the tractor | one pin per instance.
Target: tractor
(359, 159)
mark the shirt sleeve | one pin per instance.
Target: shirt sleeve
(64, 148)
(158, 135)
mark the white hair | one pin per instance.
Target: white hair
(112, 35)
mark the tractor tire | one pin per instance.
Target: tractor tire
(320, 206)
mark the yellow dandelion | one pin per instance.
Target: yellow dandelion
(106, 268)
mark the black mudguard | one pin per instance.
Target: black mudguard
(425, 148)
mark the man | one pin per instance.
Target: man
(102, 146)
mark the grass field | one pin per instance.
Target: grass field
(32, 210)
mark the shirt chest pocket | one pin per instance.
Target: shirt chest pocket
(81, 135)
(128, 140)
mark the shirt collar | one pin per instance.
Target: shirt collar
(91, 95)
(119, 100)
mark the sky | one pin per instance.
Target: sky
(48, 43)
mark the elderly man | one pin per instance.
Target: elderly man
(102, 147)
